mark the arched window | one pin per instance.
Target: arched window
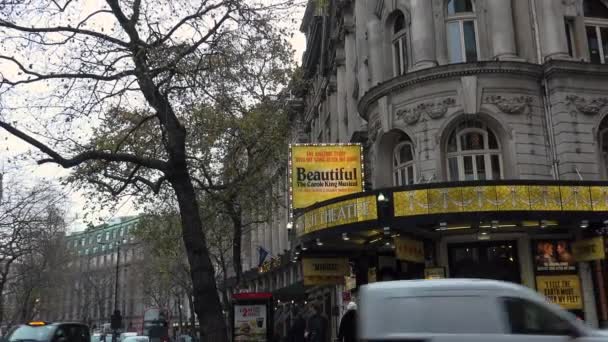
(473, 153)
(399, 45)
(461, 31)
(603, 138)
(596, 26)
(404, 164)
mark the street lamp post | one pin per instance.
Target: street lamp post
(116, 319)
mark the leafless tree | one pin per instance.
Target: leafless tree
(31, 227)
(107, 89)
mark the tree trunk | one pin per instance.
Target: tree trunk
(206, 302)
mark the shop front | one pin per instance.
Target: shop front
(547, 235)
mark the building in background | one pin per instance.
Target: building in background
(90, 295)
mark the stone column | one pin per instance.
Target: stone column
(350, 52)
(500, 17)
(341, 93)
(361, 15)
(423, 35)
(375, 50)
(552, 30)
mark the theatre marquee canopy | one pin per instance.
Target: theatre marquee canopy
(426, 204)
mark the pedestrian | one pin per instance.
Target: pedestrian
(348, 325)
(317, 325)
(298, 327)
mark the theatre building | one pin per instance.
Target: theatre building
(484, 134)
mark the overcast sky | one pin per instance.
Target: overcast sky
(30, 172)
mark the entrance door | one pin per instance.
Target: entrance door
(485, 260)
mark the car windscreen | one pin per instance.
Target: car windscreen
(28, 333)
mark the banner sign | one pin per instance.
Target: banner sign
(409, 250)
(486, 198)
(325, 271)
(589, 249)
(563, 290)
(551, 256)
(250, 322)
(337, 214)
(322, 172)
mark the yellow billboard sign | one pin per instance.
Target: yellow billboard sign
(409, 250)
(322, 172)
(337, 214)
(589, 249)
(563, 290)
(325, 271)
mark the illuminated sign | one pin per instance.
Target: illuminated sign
(409, 250)
(337, 214)
(563, 290)
(325, 271)
(588, 250)
(466, 199)
(321, 172)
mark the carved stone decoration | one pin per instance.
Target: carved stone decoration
(409, 116)
(587, 106)
(373, 129)
(513, 105)
(434, 110)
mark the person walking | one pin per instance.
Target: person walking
(317, 326)
(298, 327)
(348, 325)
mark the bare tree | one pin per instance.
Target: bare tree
(120, 80)
(31, 226)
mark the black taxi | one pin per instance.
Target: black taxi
(39, 331)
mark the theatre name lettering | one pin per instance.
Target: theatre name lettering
(337, 214)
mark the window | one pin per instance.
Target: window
(529, 318)
(404, 168)
(473, 153)
(461, 31)
(596, 28)
(120, 231)
(113, 234)
(399, 45)
(107, 236)
(603, 138)
(569, 24)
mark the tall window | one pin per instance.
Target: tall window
(404, 165)
(473, 153)
(461, 31)
(399, 45)
(596, 26)
(604, 145)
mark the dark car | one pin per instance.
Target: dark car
(49, 332)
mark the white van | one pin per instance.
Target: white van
(464, 310)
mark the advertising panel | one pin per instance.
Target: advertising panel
(321, 172)
(250, 323)
(589, 249)
(553, 256)
(563, 290)
(325, 271)
(409, 250)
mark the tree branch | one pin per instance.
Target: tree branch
(40, 77)
(4, 23)
(84, 156)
